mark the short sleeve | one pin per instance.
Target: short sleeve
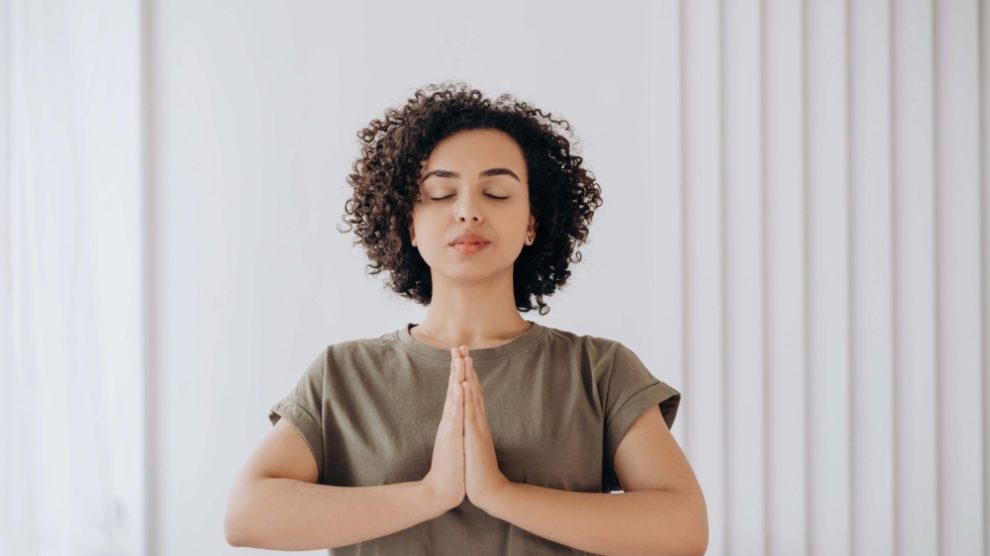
(303, 407)
(630, 390)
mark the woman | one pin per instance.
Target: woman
(474, 431)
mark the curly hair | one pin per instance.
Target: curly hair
(563, 195)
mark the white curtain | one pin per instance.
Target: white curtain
(71, 437)
(831, 199)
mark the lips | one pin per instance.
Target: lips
(469, 248)
(470, 239)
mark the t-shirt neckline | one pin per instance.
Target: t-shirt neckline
(406, 339)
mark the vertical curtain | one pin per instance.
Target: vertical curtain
(70, 318)
(832, 186)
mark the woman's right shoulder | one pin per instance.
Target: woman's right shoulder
(361, 344)
(346, 351)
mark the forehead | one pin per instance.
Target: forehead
(476, 150)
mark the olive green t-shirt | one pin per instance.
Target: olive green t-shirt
(558, 404)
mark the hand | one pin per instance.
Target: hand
(445, 480)
(483, 480)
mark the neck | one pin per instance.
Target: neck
(472, 314)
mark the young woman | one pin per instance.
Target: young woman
(474, 431)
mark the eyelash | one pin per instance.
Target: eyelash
(449, 196)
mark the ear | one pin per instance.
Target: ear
(412, 235)
(532, 224)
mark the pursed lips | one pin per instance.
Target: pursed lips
(466, 246)
(469, 239)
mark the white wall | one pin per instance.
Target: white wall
(255, 109)
(72, 465)
(811, 175)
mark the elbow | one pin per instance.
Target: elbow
(694, 544)
(698, 544)
(694, 529)
(245, 519)
(239, 533)
(232, 531)
(699, 541)
(237, 522)
(699, 547)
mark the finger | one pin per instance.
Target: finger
(469, 363)
(469, 408)
(452, 379)
(461, 369)
(471, 396)
(468, 367)
(453, 385)
(456, 365)
(473, 377)
(479, 396)
(479, 417)
(480, 421)
(459, 408)
(456, 397)
(476, 398)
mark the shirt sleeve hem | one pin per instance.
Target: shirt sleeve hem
(307, 426)
(658, 393)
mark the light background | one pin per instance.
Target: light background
(794, 236)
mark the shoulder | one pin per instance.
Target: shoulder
(362, 344)
(596, 346)
(348, 352)
(599, 356)
(341, 355)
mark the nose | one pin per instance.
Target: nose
(467, 209)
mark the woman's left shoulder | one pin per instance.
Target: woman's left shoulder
(593, 347)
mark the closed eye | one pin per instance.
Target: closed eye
(487, 195)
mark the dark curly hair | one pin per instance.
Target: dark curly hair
(563, 195)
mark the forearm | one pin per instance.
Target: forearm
(287, 514)
(642, 522)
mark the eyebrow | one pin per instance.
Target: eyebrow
(487, 173)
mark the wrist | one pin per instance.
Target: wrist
(438, 504)
(494, 502)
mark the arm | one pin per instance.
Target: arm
(276, 502)
(642, 522)
(662, 510)
(286, 514)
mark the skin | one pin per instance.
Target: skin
(662, 509)
(464, 460)
(468, 285)
(482, 478)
